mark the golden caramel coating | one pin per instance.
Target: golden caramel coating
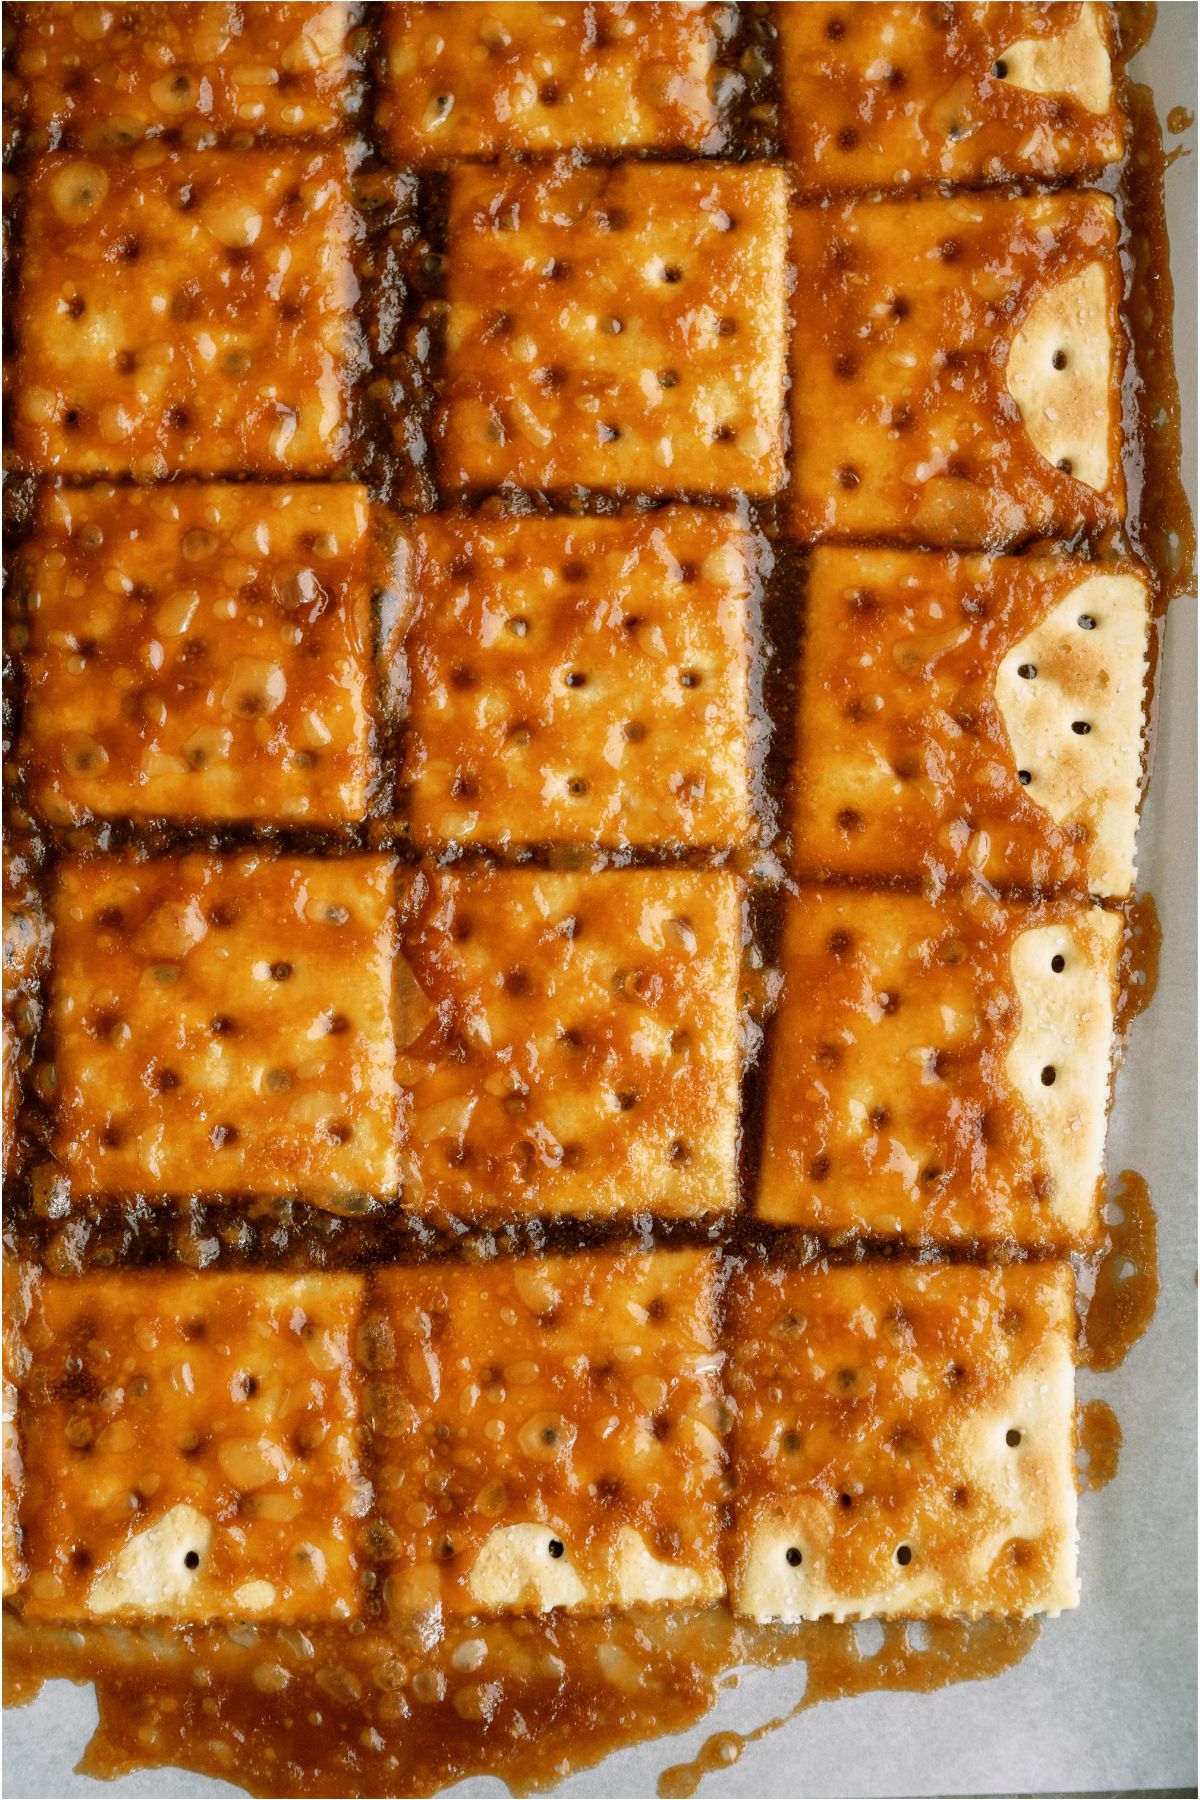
(223, 1025)
(896, 95)
(940, 1070)
(547, 1432)
(199, 653)
(99, 76)
(904, 1440)
(579, 681)
(488, 79)
(967, 713)
(946, 352)
(190, 1447)
(569, 1042)
(187, 313)
(617, 327)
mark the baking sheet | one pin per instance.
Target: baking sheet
(1106, 1701)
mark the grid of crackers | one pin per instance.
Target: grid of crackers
(425, 700)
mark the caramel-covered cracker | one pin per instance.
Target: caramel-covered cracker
(970, 713)
(569, 1042)
(190, 1447)
(223, 1025)
(199, 653)
(895, 95)
(957, 365)
(940, 1070)
(185, 312)
(547, 1433)
(100, 76)
(579, 680)
(616, 327)
(486, 80)
(904, 1441)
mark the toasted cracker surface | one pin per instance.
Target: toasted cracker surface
(200, 653)
(904, 1442)
(189, 1447)
(548, 1432)
(579, 681)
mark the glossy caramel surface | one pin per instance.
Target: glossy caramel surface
(507, 78)
(897, 95)
(569, 1043)
(187, 312)
(224, 1026)
(905, 765)
(199, 653)
(601, 332)
(98, 76)
(902, 424)
(579, 681)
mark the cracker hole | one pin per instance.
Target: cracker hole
(1049, 1075)
(1065, 464)
(904, 1556)
(556, 1547)
(1024, 777)
(679, 1151)
(1080, 727)
(1012, 1437)
(633, 732)
(667, 378)
(1027, 671)
(1059, 359)
(794, 1557)
(191, 1559)
(518, 626)
(1058, 964)
(1086, 622)
(672, 273)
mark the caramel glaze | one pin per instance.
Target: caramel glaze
(1126, 1282)
(351, 1709)
(1139, 960)
(1100, 1443)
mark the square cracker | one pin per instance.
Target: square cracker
(190, 1447)
(957, 368)
(199, 653)
(187, 313)
(546, 1432)
(905, 1441)
(101, 76)
(579, 680)
(569, 1043)
(940, 1070)
(616, 327)
(897, 95)
(970, 713)
(223, 1025)
(490, 79)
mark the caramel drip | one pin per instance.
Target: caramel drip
(1127, 1282)
(1100, 1441)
